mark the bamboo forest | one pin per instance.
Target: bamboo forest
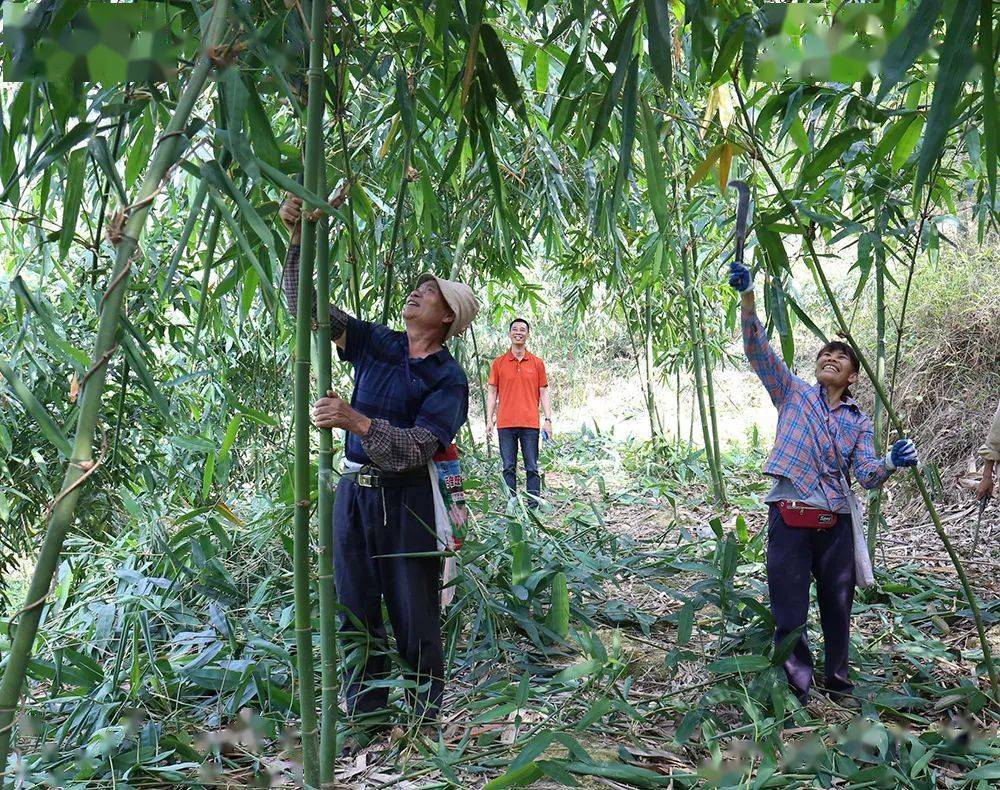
(630, 320)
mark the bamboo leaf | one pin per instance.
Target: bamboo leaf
(48, 426)
(267, 287)
(906, 47)
(725, 162)
(658, 38)
(502, 70)
(98, 147)
(907, 142)
(702, 170)
(289, 184)
(217, 177)
(830, 152)
(442, 18)
(138, 364)
(603, 118)
(261, 133)
(405, 103)
(629, 111)
(739, 664)
(75, 171)
(620, 46)
(655, 182)
(956, 60)
(63, 145)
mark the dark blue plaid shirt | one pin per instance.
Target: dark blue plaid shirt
(430, 393)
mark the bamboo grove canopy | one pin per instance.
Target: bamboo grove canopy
(472, 138)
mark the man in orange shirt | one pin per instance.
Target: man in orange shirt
(518, 385)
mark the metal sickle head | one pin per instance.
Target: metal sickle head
(742, 210)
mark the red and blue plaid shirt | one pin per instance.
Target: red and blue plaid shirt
(803, 451)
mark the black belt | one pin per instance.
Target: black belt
(372, 477)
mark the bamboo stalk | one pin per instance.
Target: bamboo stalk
(348, 172)
(82, 464)
(390, 267)
(875, 506)
(213, 238)
(893, 417)
(716, 458)
(182, 242)
(327, 591)
(301, 547)
(695, 349)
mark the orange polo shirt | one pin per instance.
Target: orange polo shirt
(518, 382)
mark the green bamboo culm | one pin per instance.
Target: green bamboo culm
(716, 457)
(82, 463)
(693, 333)
(303, 333)
(327, 589)
(890, 411)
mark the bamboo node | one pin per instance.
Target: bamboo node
(412, 174)
(223, 55)
(116, 228)
(303, 503)
(340, 194)
(314, 215)
(98, 365)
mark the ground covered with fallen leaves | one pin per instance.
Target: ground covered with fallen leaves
(166, 658)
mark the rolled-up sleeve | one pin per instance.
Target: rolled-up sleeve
(398, 449)
(869, 470)
(990, 450)
(769, 367)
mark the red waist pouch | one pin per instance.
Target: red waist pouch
(797, 514)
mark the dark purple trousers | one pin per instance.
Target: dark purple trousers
(794, 555)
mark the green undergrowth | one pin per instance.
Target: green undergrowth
(166, 654)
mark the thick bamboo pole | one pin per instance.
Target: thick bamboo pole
(302, 554)
(82, 464)
(327, 482)
(894, 419)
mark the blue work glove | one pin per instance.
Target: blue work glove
(904, 453)
(739, 277)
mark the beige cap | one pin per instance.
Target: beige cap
(459, 298)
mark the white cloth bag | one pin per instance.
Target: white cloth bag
(864, 575)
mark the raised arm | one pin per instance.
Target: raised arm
(769, 367)
(291, 216)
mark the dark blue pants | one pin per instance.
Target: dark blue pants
(369, 525)
(793, 556)
(528, 439)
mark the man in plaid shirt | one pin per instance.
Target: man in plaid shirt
(820, 427)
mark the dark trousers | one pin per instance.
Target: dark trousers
(793, 555)
(370, 525)
(528, 439)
